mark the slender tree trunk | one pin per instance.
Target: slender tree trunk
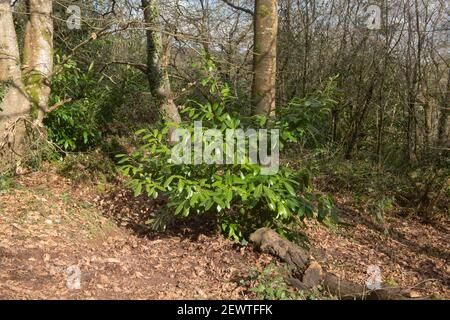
(158, 55)
(380, 127)
(444, 118)
(335, 116)
(306, 46)
(359, 120)
(38, 56)
(413, 75)
(14, 104)
(265, 56)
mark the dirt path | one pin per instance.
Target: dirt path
(48, 225)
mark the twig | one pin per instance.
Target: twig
(238, 7)
(57, 105)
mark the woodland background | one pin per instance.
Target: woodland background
(364, 116)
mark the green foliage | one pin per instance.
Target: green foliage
(381, 207)
(81, 167)
(430, 186)
(238, 194)
(307, 119)
(423, 189)
(6, 182)
(130, 106)
(270, 283)
(239, 104)
(77, 125)
(3, 88)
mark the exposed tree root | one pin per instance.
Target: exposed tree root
(309, 273)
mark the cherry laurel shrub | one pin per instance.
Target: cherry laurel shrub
(241, 198)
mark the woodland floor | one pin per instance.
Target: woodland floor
(48, 223)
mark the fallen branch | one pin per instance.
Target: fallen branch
(312, 274)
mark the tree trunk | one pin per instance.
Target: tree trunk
(359, 120)
(444, 117)
(158, 55)
(14, 103)
(38, 56)
(265, 56)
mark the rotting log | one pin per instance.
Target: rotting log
(312, 274)
(269, 241)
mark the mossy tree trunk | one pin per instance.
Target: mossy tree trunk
(14, 104)
(38, 56)
(265, 56)
(158, 55)
(25, 93)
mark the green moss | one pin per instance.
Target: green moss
(48, 36)
(3, 89)
(33, 82)
(258, 48)
(2, 92)
(264, 11)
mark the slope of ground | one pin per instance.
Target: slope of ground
(48, 224)
(409, 253)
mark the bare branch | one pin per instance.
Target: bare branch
(140, 66)
(57, 105)
(238, 7)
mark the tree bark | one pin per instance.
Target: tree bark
(359, 119)
(38, 56)
(265, 56)
(14, 104)
(158, 55)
